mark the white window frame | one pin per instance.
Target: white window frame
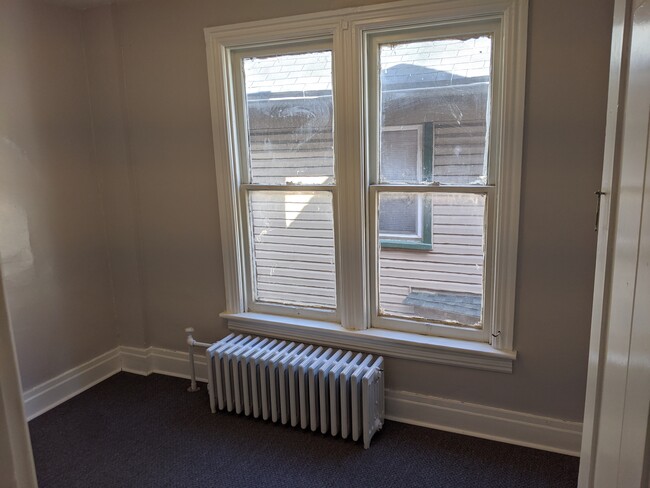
(246, 187)
(348, 29)
(374, 38)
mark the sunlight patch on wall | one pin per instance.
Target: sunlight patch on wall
(15, 244)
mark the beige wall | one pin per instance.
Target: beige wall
(136, 188)
(52, 235)
(170, 149)
(115, 173)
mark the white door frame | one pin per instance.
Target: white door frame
(615, 433)
(14, 434)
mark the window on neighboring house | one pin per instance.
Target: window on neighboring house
(406, 155)
(369, 172)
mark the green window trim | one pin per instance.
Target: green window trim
(411, 245)
(427, 153)
(424, 244)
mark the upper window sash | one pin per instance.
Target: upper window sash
(242, 106)
(420, 33)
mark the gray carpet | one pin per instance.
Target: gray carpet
(132, 431)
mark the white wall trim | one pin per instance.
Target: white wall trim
(53, 392)
(396, 344)
(135, 360)
(486, 422)
(476, 420)
(162, 361)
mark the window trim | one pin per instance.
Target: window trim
(396, 344)
(346, 27)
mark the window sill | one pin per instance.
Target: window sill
(393, 344)
(412, 245)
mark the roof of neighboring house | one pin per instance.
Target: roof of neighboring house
(440, 62)
(468, 304)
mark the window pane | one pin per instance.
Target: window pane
(293, 248)
(401, 155)
(444, 284)
(441, 86)
(400, 215)
(290, 113)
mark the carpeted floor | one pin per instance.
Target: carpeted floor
(132, 431)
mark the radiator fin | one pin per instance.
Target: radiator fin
(314, 387)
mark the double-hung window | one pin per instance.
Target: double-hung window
(368, 166)
(287, 181)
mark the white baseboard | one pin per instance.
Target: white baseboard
(508, 426)
(492, 423)
(162, 361)
(53, 392)
(135, 360)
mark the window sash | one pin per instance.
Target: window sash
(238, 94)
(243, 165)
(308, 312)
(420, 325)
(373, 41)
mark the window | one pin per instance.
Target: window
(285, 118)
(368, 170)
(443, 76)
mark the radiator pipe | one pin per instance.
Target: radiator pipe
(191, 344)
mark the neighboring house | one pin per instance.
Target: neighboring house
(431, 246)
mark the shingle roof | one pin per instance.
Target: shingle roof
(290, 73)
(437, 62)
(468, 304)
(466, 58)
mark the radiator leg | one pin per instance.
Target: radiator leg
(193, 386)
(211, 382)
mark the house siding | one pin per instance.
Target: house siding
(293, 232)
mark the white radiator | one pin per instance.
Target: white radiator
(317, 388)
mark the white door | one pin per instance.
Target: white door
(615, 436)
